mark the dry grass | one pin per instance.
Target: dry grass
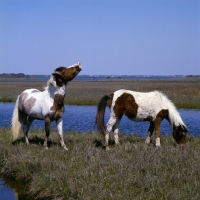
(87, 171)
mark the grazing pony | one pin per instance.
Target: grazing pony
(137, 106)
(47, 105)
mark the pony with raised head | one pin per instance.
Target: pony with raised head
(47, 105)
(138, 106)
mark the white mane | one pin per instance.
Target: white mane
(51, 81)
(174, 116)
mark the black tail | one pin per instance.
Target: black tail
(100, 114)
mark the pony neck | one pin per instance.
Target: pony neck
(53, 89)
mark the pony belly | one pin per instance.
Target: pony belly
(137, 119)
(40, 113)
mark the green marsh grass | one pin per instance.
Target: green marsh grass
(184, 92)
(87, 171)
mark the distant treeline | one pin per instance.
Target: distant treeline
(193, 76)
(12, 75)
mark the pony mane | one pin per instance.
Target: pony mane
(174, 116)
(51, 82)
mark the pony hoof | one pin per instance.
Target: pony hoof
(65, 148)
(158, 147)
(107, 148)
(46, 148)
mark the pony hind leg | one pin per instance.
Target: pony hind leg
(116, 130)
(109, 127)
(150, 132)
(26, 126)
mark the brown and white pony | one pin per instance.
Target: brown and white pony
(138, 106)
(47, 105)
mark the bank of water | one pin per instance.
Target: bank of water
(82, 119)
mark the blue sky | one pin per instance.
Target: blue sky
(113, 37)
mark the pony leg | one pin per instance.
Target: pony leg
(157, 131)
(60, 132)
(150, 132)
(109, 127)
(47, 131)
(116, 130)
(23, 119)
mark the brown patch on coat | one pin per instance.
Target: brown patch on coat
(159, 117)
(125, 104)
(63, 74)
(58, 107)
(23, 96)
(25, 104)
(29, 103)
(163, 114)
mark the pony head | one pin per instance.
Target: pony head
(64, 74)
(178, 133)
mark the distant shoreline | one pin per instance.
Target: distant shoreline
(12, 75)
(98, 77)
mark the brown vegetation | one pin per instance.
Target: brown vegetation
(184, 92)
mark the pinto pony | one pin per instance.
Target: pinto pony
(47, 105)
(137, 106)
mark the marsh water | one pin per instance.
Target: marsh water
(82, 119)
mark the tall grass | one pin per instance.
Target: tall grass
(130, 171)
(184, 92)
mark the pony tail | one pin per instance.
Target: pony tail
(101, 113)
(16, 125)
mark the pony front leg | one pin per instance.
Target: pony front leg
(157, 131)
(60, 132)
(47, 130)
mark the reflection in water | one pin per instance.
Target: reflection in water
(82, 119)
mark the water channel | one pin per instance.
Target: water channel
(82, 119)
